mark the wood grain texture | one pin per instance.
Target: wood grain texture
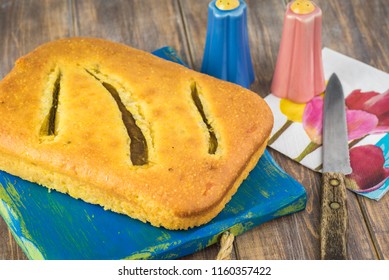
(24, 25)
(296, 236)
(290, 237)
(360, 30)
(334, 218)
(9, 249)
(376, 215)
(146, 25)
(143, 24)
(356, 28)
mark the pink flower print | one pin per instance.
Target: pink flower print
(313, 125)
(313, 119)
(373, 103)
(359, 124)
(369, 172)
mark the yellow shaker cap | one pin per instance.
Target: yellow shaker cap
(226, 5)
(302, 7)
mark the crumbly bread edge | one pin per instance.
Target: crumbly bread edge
(95, 195)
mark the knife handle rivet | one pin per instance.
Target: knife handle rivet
(334, 182)
(335, 205)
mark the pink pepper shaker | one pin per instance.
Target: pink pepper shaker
(299, 75)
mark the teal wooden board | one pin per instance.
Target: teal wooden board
(51, 225)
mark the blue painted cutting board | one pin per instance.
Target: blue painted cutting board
(51, 225)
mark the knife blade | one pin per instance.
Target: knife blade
(336, 164)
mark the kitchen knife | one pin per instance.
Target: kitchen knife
(336, 164)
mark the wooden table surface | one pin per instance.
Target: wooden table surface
(357, 28)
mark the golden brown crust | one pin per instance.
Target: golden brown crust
(88, 155)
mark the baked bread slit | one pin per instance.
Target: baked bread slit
(132, 132)
(49, 127)
(213, 142)
(138, 144)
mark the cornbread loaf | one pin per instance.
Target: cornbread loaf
(136, 134)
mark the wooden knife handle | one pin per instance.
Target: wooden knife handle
(333, 217)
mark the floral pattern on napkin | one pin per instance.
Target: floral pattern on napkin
(297, 132)
(369, 170)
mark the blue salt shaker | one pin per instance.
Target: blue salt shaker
(227, 52)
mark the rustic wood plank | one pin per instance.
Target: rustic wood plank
(23, 26)
(145, 25)
(355, 28)
(360, 245)
(376, 217)
(358, 29)
(295, 236)
(291, 237)
(251, 245)
(9, 249)
(362, 32)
